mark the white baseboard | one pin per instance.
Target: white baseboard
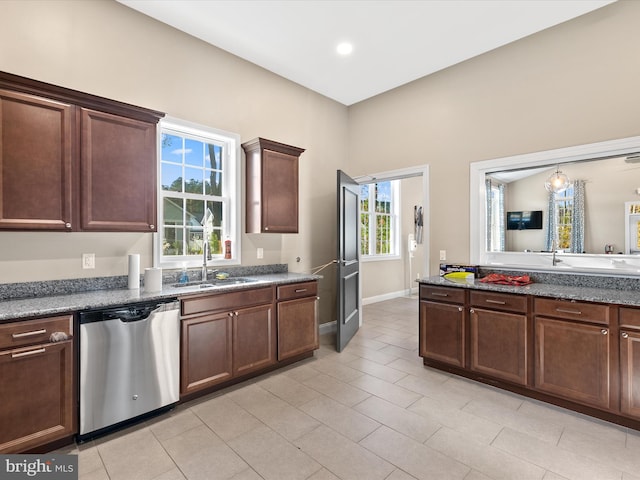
(389, 296)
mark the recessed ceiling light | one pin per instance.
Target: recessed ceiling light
(344, 48)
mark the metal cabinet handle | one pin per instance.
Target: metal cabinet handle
(29, 334)
(437, 294)
(151, 227)
(566, 310)
(604, 331)
(497, 302)
(624, 335)
(67, 225)
(30, 352)
(470, 311)
(300, 290)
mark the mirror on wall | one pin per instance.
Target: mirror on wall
(518, 224)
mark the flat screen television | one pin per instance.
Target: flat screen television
(528, 220)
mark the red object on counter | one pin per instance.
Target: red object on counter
(227, 249)
(501, 279)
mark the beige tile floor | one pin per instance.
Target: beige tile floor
(371, 412)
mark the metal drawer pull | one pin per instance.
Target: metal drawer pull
(30, 352)
(624, 335)
(29, 334)
(498, 302)
(436, 294)
(300, 290)
(566, 310)
(604, 331)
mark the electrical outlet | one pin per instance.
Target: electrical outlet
(443, 254)
(88, 260)
(260, 253)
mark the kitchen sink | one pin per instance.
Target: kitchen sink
(214, 282)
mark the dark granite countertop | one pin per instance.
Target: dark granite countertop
(40, 306)
(567, 292)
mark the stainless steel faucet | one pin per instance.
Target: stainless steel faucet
(206, 256)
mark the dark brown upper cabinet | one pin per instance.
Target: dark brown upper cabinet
(71, 161)
(271, 186)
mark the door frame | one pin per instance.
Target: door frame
(399, 174)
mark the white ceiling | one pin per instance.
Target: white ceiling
(395, 41)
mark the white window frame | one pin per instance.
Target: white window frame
(231, 191)
(395, 223)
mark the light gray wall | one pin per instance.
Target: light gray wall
(572, 84)
(568, 85)
(104, 48)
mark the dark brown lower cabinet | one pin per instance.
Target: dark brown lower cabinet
(224, 336)
(630, 373)
(297, 319)
(499, 344)
(206, 352)
(234, 335)
(572, 360)
(630, 361)
(37, 396)
(254, 339)
(442, 333)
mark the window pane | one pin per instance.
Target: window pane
(171, 148)
(383, 197)
(171, 177)
(215, 241)
(173, 242)
(364, 234)
(193, 152)
(194, 241)
(213, 183)
(193, 183)
(195, 213)
(213, 157)
(216, 210)
(173, 211)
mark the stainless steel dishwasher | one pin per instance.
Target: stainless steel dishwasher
(129, 364)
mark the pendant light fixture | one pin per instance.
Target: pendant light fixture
(557, 182)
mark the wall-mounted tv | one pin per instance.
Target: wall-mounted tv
(531, 220)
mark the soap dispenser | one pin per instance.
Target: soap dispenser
(184, 277)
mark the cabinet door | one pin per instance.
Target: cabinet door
(297, 327)
(206, 352)
(37, 396)
(118, 173)
(279, 192)
(630, 372)
(254, 339)
(499, 344)
(572, 361)
(442, 335)
(35, 162)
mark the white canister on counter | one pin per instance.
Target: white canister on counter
(152, 279)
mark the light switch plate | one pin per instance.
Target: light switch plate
(443, 254)
(260, 253)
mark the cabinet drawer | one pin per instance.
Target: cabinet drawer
(630, 317)
(499, 301)
(585, 311)
(442, 294)
(30, 332)
(226, 301)
(297, 290)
